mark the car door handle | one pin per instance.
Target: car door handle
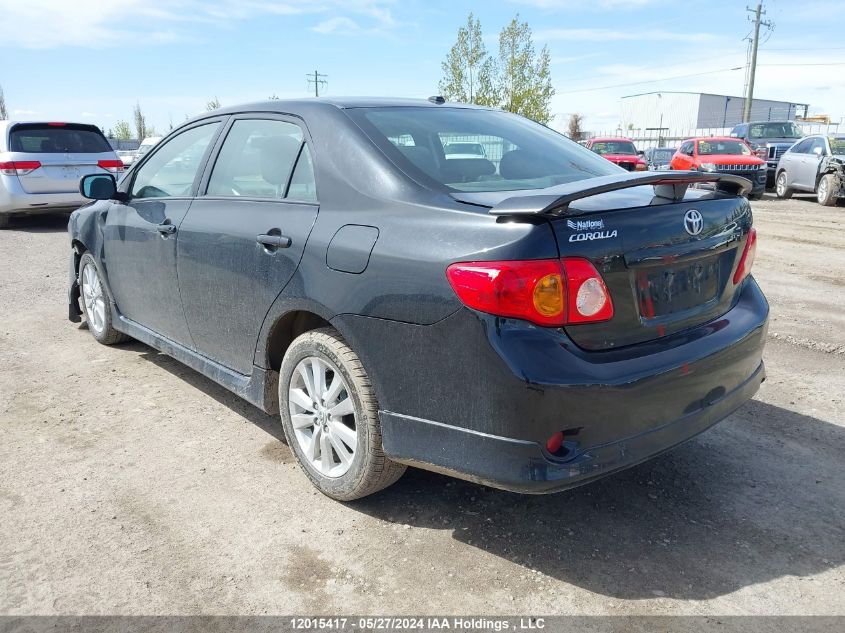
(166, 228)
(273, 241)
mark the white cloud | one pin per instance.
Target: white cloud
(339, 25)
(45, 24)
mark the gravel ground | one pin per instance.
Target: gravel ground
(130, 484)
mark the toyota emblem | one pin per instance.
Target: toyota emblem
(693, 221)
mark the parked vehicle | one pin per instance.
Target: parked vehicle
(41, 163)
(127, 156)
(659, 158)
(770, 140)
(146, 145)
(620, 151)
(815, 164)
(725, 156)
(464, 150)
(533, 329)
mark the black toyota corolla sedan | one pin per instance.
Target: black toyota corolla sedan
(530, 317)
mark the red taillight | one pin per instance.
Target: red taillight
(56, 124)
(747, 259)
(550, 292)
(19, 167)
(113, 166)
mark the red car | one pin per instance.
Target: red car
(620, 151)
(723, 155)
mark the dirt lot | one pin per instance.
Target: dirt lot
(130, 484)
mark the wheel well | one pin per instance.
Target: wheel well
(285, 331)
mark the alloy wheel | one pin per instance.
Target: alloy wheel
(822, 192)
(92, 295)
(323, 416)
(781, 184)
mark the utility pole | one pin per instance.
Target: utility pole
(318, 80)
(758, 22)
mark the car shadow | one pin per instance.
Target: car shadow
(270, 424)
(737, 506)
(46, 223)
(759, 497)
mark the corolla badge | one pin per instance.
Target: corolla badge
(693, 221)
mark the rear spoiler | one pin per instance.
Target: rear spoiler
(671, 185)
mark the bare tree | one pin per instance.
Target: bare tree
(214, 104)
(4, 114)
(575, 131)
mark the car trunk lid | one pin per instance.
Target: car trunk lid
(667, 260)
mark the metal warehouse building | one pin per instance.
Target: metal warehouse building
(677, 112)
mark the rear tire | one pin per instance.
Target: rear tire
(4, 221)
(826, 191)
(755, 196)
(783, 192)
(96, 303)
(330, 417)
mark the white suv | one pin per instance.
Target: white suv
(41, 164)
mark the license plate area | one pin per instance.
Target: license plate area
(669, 289)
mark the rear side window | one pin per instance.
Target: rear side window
(256, 159)
(69, 138)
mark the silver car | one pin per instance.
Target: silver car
(815, 164)
(41, 164)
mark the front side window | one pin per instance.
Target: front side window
(477, 150)
(256, 159)
(723, 147)
(803, 147)
(171, 170)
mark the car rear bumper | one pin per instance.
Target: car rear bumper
(13, 200)
(478, 396)
(524, 466)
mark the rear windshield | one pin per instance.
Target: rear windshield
(517, 153)
(732, 148)
(614, 147)
(39, 138)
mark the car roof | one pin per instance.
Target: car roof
(315, 104)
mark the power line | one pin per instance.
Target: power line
(758, 22)
(318, 80)
(649, 81)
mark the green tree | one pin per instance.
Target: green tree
(122, 131)
(525, 84)
(140, 122)
(214, 104)
(4, 113)
(469, 72)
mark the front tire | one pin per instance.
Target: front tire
(96, 303)
(330, 417)
(826, 191)
(783, 192)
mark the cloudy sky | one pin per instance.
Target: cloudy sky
(92, 60)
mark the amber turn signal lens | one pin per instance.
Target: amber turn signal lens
(548, 295)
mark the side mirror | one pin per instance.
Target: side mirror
(640, 153)
(98, 187)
